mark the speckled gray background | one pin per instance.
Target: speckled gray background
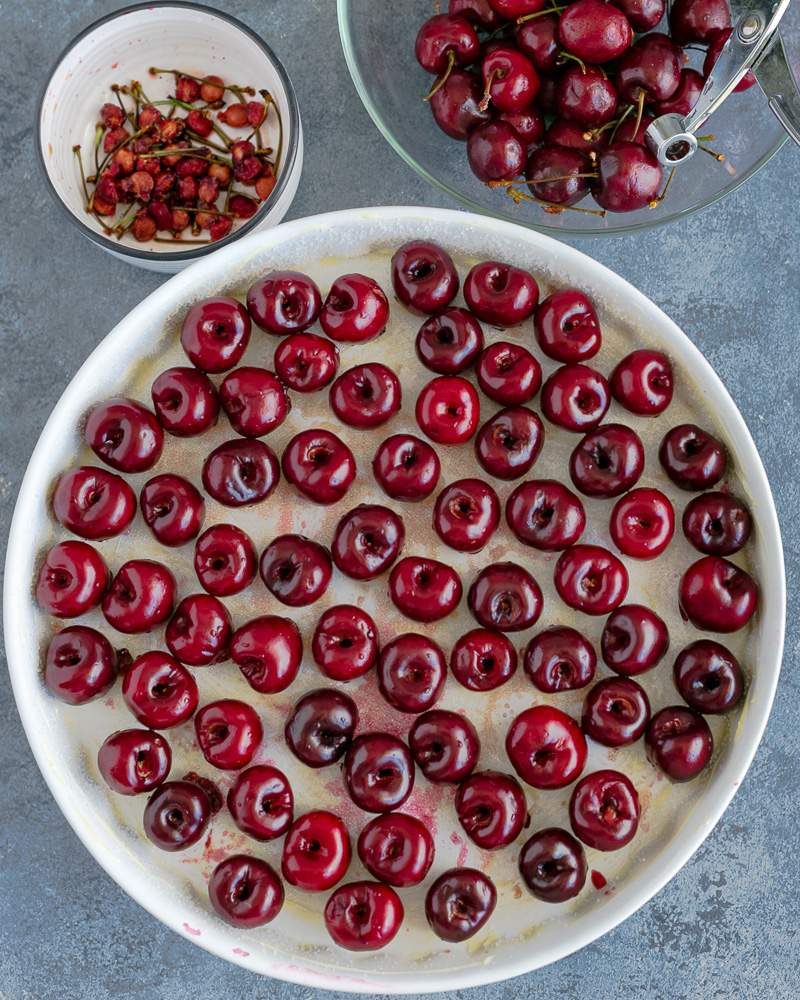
(727, 926)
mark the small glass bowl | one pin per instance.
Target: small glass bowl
(378, 41)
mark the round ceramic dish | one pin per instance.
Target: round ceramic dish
(122, 46)
(523, 934)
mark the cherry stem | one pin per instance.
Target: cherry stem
(487, 90)
(657, 201)
(616, 124)
(553, 207)
(126, 221)
(77, 151)
(539, 180)
(164, 239)
(555, 9)
(563, 54)
(442, 79)
(269, 101)
(208, 211)
(233, 87)
(639, 113)
(706, 138)
(196, 137)
(719, 157)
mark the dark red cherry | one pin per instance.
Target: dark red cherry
(629, 177)
(459, 903)
(566, 326)
(491, 808)
(560, 659)
(397, 849)
(93, 503)
(406, 467)
(321, 726)
(448, 409)
(72, 579)
(172, 508)
(717, 595)
(424, 589)
(245, 891)
(698, 20)
(575, 397)
(501, 294)
(228, 733)
(495, 152)
(508, 373)
(268, 651)
(546, 515)
(261, 802)
(176, 815)
(679, 742)
(450, 342)
(345, 642)
(124, 434)
(595, 31)
(692, 458)
(509, 77)
(367, 540)
(604, 810)
(642, 382)
(571, 134)
(215, 334)
(479, 12)
(717, 523)
(316, 852)
(509, 443)
(466, 514)
(254, 400)
(528, 124)
(708, 677)
(378, 772)
(506, 597)
(366, 396)
(546, 747)
(295, 570)
(615, 712)
(608, 461)
(284, 302)
(456, 105)
(642, 523)
(634, 639)
(685, 97)
(159, 691)
(586, 95)
(424, 277)
(716, 43)
(643, 15)
(628, 132)
(510, 10)
(133, 761)
(411, 672)
(538, 40)
(446, 39)
(141, 596)
(444, 745)
(363, 916)
(319, 465)
(80, 665)
(651, 67)
(356, 309)
(241, 472)
(185, 401)
(225, 560)
(558, 175)
(199, 631)
(590, 579)
(482, 659)
(552, 865)
(306, 362)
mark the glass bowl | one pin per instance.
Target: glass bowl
(378, 41)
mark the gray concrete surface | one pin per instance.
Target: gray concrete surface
(727, 926)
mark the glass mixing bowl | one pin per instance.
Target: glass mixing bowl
(378, 40)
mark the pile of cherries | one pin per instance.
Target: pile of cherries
(545, 746)
(169, 166)
(558, 97)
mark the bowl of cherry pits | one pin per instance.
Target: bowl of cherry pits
(394, 602)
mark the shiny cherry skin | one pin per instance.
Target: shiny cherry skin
(306, 362)
(363, 916)
(449, 342)
(284, 302)
(506, 597)
(590, 579)
(424, 589)
(634, 640)
(594, 31)
(228, 733)
(643, 15)
(80, 665)
(445, 745)
(295, 570)
(261, 802)
(717, 595)
(345, 642)
(133, 761)
(446, 39)
(241, 472)
(268, 651)
(456, 105)
(538, 40)
(378, 772)
(717, 523)
(552, 864)
(173, 509)
(215, 334)
(630, 177)
(685, 97)
(397, 849)
(72, 579)
(566, 326)
(93, 503)
(448, 409)
(466, 514)
(708, 677)
(124, 434)
(615, 712)
(544, 514)
(557, 175)
(509, 78)
(319, 465)
(176, 815)
(571, 134)
(559, 659)
(679, 742)
(355, 309)
(366, 396)
(628, 132)
(508, 444)
(643, 382)
(200, 630)
(245, 891)
(479, 12)
(225, 560)
(642, 523)
(546, 747)
(510, 10)
(652, 67)
(367, 540)
(607, 462)
(406, 467)
(491, 809)
(424, 277)
(586, 96)
(459, 903)
(528, 124)
(715, 45)
(692, 458)
(185, 401)
(698, 20)
(501, 294)
(254, 400)
(508, 373)
(320, 727)
(483, 659)
(411, 672)
(140, 597)
(575, 397)
(604, 810)
(159, 691)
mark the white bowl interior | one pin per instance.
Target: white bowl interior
(523, 933)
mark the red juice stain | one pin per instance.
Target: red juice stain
(599, 881)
